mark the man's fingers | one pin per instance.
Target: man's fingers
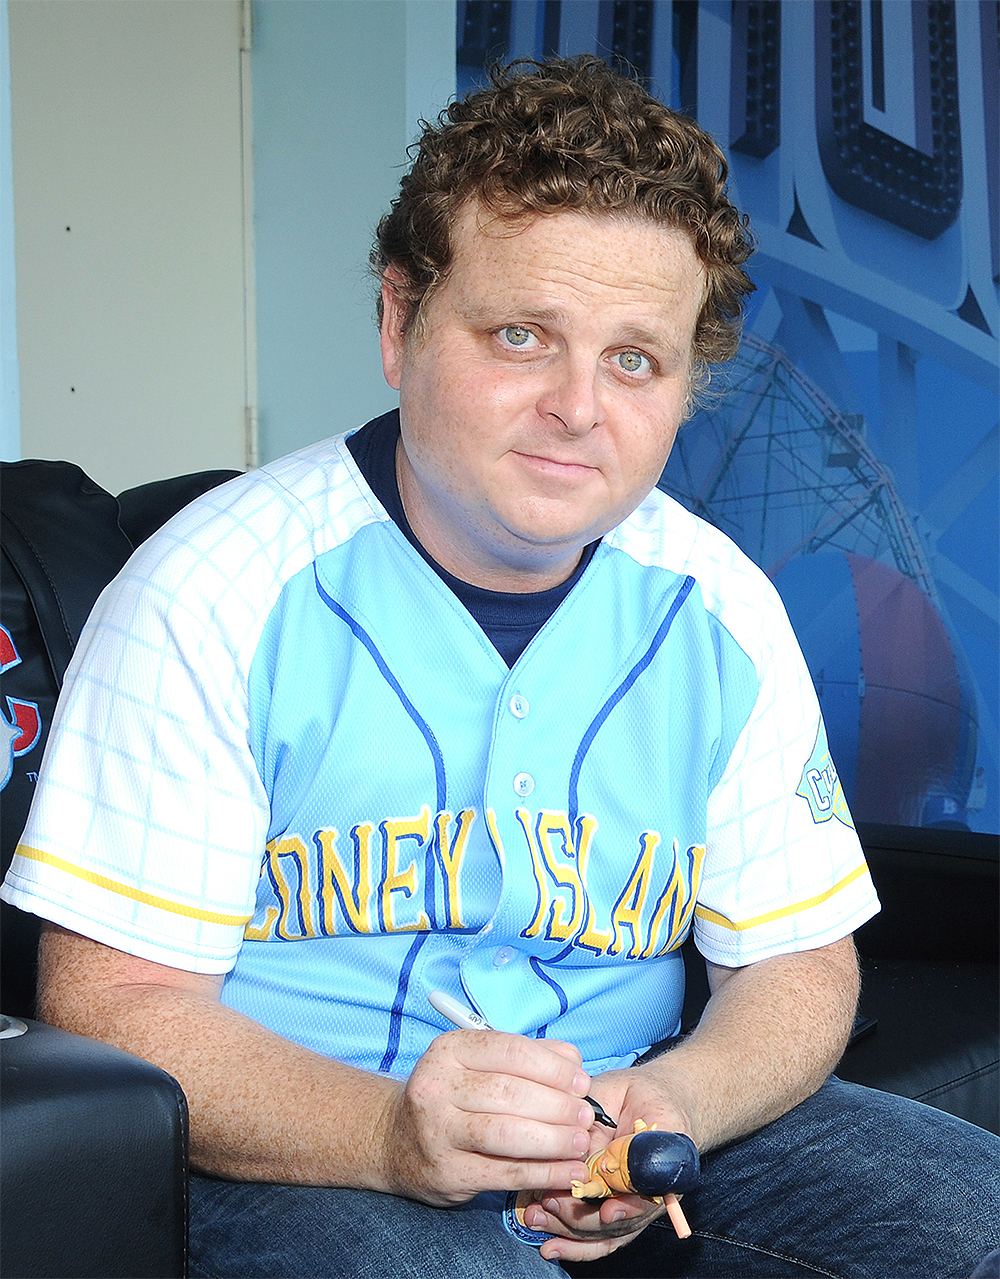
(563, 1049)
(588, 1220)
(508, 1096)
(551, 1175)
(582, 1230)
(515, 1138)
(546, 1061)
(577, 1250)
(501, 1083)
(481, 1172)
(485, 1110)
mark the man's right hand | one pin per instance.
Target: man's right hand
(484, 1110)
(481, 1111)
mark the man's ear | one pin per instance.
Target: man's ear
(392, 336)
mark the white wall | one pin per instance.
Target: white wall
(10, 383)
(338, 88)
(126, 128)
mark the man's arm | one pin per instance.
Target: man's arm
(480, 1111)
(769, 1037)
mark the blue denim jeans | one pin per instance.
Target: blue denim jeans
(852, 1183)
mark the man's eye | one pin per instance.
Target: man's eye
(517, 335)
(632, 362)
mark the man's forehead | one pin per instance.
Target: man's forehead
(632, 259)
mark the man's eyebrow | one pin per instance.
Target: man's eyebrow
(642, 336)
(491, 312)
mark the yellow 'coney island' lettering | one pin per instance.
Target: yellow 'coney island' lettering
(557, 917)
(672, 914)
(629, 908)
(352, 898)
(402, 881)
(565, 909)
(374, 886)
(404, 874)
(592, 938)
(450, 852)
(285, 866)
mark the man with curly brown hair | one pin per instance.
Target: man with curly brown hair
(459, 710)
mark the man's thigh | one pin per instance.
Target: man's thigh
(853, 1183)
(287, 1232)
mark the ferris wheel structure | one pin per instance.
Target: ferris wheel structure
(775, 465)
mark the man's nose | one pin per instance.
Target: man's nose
(572, 396)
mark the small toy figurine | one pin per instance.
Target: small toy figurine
(649, 1163)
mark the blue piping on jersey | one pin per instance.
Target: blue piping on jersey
(661, 634)
(425, 730)
(396, 1013)
(561, 994)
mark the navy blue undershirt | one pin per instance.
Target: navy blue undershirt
(509, 619)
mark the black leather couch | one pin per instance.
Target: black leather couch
(929, 1023)
(93, 1165)
(929, 964)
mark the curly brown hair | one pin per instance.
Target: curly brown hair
(568, 135)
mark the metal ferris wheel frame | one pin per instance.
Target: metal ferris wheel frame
(774, 464)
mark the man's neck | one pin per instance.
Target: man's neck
(510, 619)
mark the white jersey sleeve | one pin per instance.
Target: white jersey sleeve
(785, 870)
(151, 817)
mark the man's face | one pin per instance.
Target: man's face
(542, 389)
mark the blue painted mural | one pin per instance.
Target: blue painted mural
(852, 446)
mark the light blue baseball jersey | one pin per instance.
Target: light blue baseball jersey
(287, 753)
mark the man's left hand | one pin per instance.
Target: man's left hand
(585, 1228)
(768, 1038)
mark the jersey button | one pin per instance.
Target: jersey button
(503, 956)
(518, 706)
(524, 784)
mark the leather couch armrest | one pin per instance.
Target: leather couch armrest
(93, 1168)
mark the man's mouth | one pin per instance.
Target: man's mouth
(555, 466)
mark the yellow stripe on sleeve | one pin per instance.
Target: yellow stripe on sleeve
(125, 890)
(713, 917)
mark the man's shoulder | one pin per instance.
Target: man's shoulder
(662, 534)
(278, 516)
(310, 485)
(220, 565)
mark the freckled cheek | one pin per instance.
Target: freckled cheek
(505, 401)
(456, 445)
(642, 447)
(471, 395)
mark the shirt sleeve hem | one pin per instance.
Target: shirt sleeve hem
(57, 913)
(751, 946)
